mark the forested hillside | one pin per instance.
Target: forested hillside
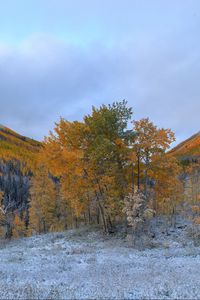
(14, 145)
(17, 160)
(96, 172)
(188, 154)
(188, 149)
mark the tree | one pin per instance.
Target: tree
(168, 187)
(135, 205)
(14, 183)
(107, 153)
(90, 159)
(42, 202)
(19, 227)
(63, 155)
(149, 141)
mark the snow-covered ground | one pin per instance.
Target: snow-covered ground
(83, 264)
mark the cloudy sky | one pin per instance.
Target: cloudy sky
(60, 57)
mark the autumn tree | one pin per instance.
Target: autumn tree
(149, 141)
(90, 158)
(168, 187)
(43, 205)
(63, 154)
(19, 227)
(107, 153)
(148, 145)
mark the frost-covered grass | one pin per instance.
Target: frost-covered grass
(83, 264)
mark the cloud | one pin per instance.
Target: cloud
(46, 77)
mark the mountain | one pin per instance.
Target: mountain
(188, 149)
(14, 145)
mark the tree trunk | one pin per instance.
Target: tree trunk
(76, 222)
(98, 218)
(146, 173)
(89, 216)
(85, 219)
(132, 177)
(103, 217)
(145, 182)
(8, 231)
(8, 225)
(110, 224)
(138, 170)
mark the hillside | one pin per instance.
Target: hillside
(188, 149)
(14, 145)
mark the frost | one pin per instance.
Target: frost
(88, 265)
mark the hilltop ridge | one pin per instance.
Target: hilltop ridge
(14, 145)
(190, 148)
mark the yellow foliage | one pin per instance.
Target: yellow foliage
(195, 208)
(43, 202)
(168, 189)
(19, 228)
(197, 220)
(17, 147)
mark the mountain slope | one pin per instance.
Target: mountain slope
(189, 148)
(14, 145)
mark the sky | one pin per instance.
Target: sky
(60, 57)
